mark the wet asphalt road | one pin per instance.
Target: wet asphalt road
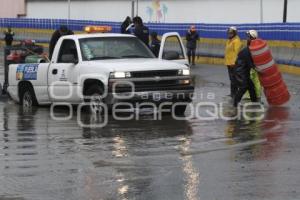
(45, 159)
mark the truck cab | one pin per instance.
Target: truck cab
(113, 67)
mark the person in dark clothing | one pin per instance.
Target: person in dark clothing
(243, 66)
(192, 38)
(140, 30)
(9, 37)
(125, 25)
(155, 44)
(62, 31)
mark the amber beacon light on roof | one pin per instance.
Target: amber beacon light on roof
(97, 29)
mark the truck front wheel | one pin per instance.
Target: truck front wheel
(27, 97)
(94, 100)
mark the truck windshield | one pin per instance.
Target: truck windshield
(100, 48)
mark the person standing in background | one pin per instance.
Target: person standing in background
(140, 30)
(9, 37)
(62, 31)
(192, 38)
(232, 49)
(125, 25)
(155, 44)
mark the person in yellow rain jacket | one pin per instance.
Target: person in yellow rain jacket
(233, 47)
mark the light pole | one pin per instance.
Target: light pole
(69, 10)
(261, 11)
(132, 9)
(137, 7)
(285, 6)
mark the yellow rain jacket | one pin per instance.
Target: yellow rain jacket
(257, 85)
(232, 49)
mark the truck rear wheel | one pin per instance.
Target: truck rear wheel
(94, 100)
(27, 97)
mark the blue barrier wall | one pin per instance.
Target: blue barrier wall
(270, 31)
(286, 51)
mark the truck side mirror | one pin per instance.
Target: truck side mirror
(171, 55)
(69, 58)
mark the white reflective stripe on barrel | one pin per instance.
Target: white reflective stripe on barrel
(261, 51)
(261, 68)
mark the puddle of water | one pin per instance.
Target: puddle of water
(41, 158)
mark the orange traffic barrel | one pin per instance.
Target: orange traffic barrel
(276, 90)
(270, 78)
(277, 94)
(269, 81)
(280, 100)
(270, 71)
(261, 55)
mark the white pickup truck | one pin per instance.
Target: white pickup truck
(116, 67)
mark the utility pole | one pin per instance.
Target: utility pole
(285, 7)
(69, 10)
(261, 11)
(137, 7)
(132, 9)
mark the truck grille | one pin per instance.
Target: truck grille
(156, 80)
(160, 73)
(153, 86)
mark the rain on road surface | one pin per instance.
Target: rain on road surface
(44, 159)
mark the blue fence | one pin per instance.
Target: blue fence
(270, 31)
(37, 29)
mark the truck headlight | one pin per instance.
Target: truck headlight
(184, 72)
(120, 75)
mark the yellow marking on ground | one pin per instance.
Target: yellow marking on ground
(289, 69)
(210, 60)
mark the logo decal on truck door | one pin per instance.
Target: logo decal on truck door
(27, 72)
(63, 76)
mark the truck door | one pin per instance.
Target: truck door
(63, 73)
(172, 48)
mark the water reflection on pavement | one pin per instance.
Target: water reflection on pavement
(41, 158)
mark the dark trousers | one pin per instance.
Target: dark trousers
(233, 84)
(8, 42)
(192, 55)
(247, 85)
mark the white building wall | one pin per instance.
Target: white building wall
(177, 11)
(81, 10)
(12, 8)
